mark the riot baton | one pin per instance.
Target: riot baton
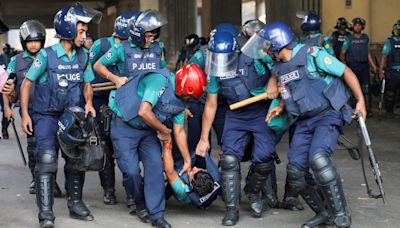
(19, 142)
(382, 94)
(372, 160)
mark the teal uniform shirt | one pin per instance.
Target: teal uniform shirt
(94, 53)
(38, 68)
(149, 89)
(11, 69)
(326, 62)
(347, 42)
(325, 41)
(259, 65)
(387, 48)
(198, 59)
(116, 55)
(181, 189)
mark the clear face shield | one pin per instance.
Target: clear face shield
(222, 64)
(303, 15)
(252, 27)
(256, 47)
(150, 20)
(83, 14)
(32, 28)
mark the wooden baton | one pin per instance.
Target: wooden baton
(248, 101)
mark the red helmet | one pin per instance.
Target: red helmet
(190, 80)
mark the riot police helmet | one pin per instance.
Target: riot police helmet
(121, 24)
(147, 21)
(190, 81)
(32, 30)
(311, 22)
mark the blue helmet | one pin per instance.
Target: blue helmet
(311, 21)
(222, 55)
(121, 25)
(147, 21)
(225, 27)
(273, 36)
(67, 18)
(360, 21)
(71, 126)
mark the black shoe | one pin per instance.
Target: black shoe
(5, 134)
(109, 197)
(143, 215)
(161, 223)
(292, 203)
(57, 191)
(32, 188)
(46, 223)
(231, 217)
(132, 208)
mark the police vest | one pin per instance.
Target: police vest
(62, 88)
(22, 66)
(358, 49)
(237, 87)
(139, 60)
(338, 40)
(206, 200)
(128, 100)
(309, 95)
(394, 56)
(105, 45)
(3, 61)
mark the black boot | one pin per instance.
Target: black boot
(5, 134)
(230, 179)
(77, 209)
(161, 223)
(130, 203)
(31, 162)
(270, 192)
(255, 184)
(329, 182)
(107, 179)
(45, 199)
(291, 199)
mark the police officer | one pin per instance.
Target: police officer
(99, 48)
(339, 36)
(133, 57)
(356, 54)
(200, 186)
(190, 46)
(60, 72)
(315, 96)
(312, 35)
(235, 76)
(4, 60)
(390, 68)
(32, 36)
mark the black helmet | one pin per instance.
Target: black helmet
(358, 20)
(192, 40)
(311, 21)
(340, 22)
(32, 30)
(396, 28)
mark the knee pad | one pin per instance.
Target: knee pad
(264, 168)
(229, 163)
(296, 178)
(323, 168)
(47, 161)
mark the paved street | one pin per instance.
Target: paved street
(18, 209)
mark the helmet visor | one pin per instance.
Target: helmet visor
(303, 15)
(33, 29)
(83, 14)
(256, 47)
(150, 20)
(252, 27)
(222, 64)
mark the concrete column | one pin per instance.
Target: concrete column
(284, 10)
(181, 16)
(229, 11)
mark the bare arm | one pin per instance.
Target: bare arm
(147, 114)
(210, 109)
(382, 66)
(372, 63)
(181, 142)
(26, 122)
(168, 162)
(88, 94)
(8, 113)
(352, 82)
(102, 70)
(343, 56)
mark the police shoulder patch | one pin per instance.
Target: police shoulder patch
(37, 63)
(327, 46)
(328, 60)
(91, 54)
(109, 55)
(161, 92)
